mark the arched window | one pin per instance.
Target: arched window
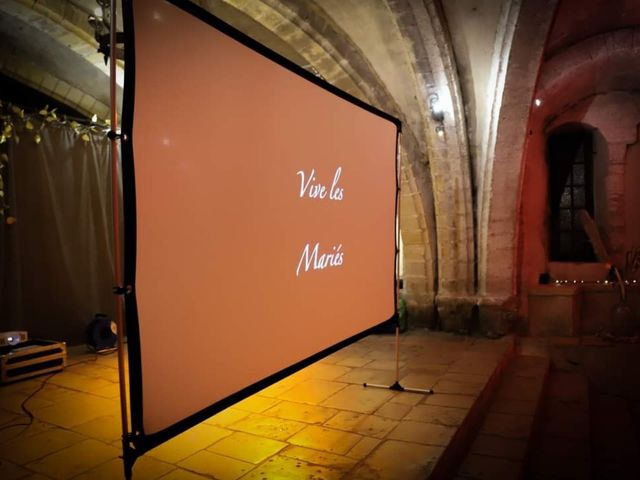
(570, 162)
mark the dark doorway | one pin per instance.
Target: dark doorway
(570, 162)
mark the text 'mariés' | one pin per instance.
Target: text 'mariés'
(312, 258)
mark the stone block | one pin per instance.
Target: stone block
(554, 310)
(455, 314)
(421, 314)
(496, 319)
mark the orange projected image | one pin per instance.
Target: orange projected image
(264, 217)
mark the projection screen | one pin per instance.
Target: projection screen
(260, 210)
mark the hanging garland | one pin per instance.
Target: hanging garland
(17, 123)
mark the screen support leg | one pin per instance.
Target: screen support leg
(128, 453)
(396, 386)
(129, 457)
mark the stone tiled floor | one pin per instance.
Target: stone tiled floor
(319, 423)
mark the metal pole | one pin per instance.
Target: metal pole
(399, 203)
(117, 253)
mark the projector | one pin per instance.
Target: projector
(13, 338)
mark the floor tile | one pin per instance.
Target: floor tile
(445, 400)
(324, 371)
(107, 428)
(20, 430)
(480, 467)
(188, 443)
(395, 460)
(458, 388)
(515, 407)
(11, 471)
(96, 370)
(82, 383)
(465, 378)
(409, 398)
(325, 439)
(419, 380)
(56, 394)
(395, 411)
(109, 391)
(285, 468)
(354, 361)
(12, 401)
(181, 474)
(278, 388)
(335, 357)
(368, 425)
(494, 446)
(7, 417)
(23, 449)
(368, 375)
(312, 391)
(477, 366)
(425, 433)
(247, 448)
(75, 459)
(216, 466)
(301, 412)
(358, 398)
(521, 388)
(506, 425)
(270, 427)
(363, 448)
(385, 365)
(77, 410)
(317, 457)
(145, 468)
(227, 417)
(255, 404)
(436, 414)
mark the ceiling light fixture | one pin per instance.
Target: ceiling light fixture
(435, 107)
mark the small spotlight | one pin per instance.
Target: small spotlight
(435, 107)
(537, 102)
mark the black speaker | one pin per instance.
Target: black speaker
(101, 333)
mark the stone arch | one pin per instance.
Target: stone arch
(502, 169)
(424, 29)
(574, 72)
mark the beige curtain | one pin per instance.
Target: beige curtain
(57, 264)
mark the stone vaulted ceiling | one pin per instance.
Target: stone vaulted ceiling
(460, 175)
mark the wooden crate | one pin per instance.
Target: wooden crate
(31, 358)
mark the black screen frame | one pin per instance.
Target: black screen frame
(136, 442)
